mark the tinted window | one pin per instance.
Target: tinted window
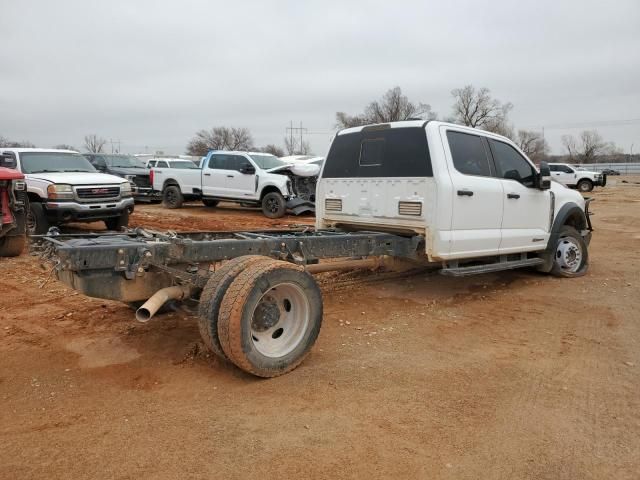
(186, 164)
(566, 169)
(469, 154)
(216, 162)
(511, 164)
(553, 168)
(379, 152)
(161, 164)
(228, 162)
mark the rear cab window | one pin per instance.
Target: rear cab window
(469, 154)
(379, 151)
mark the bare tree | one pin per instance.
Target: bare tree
(64, 146)
(94, 144)
(591, 146)
(392, 107)
(295, 147)
(476, 108)
(220, 138)
(5, 142)
(533, 145)
(273, 150)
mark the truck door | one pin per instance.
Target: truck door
(477, 195)
(241, 177)
(564, 174)
(214, 176)
(527, 214)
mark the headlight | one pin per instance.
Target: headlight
(125, 189)
(19, 185)
(59, 191)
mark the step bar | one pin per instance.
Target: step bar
(454, 271)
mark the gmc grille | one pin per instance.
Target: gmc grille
(333, 204)
(410, 208)
(98, 193)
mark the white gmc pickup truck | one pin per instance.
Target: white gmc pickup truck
(63, 187)
(415, 193)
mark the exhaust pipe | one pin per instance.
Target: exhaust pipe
(158, 299)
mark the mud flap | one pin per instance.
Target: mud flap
(298, 206)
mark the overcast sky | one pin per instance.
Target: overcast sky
(151, 73)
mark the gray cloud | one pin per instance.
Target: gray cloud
(153, 72)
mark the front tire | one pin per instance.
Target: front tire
(273, 205)
(270, 317)
(12, 246)
(570, 255)
(172, 197)
(37, 222)
(118, 223)
(585, 186)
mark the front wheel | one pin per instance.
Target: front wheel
(273, 205)
(585, 185)
(570, 256)
(172, 197)
(270, 317)
(37, 222)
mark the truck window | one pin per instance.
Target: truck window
(511, 165)
(379, 152)
(162, 164)
(236, 162)
(553, 168)
(469, 154)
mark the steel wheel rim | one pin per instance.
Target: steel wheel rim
(272, 205)
(280, 320)
(569, 254)
(31, 222)
(584, 187)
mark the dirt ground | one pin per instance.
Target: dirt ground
(503, 376)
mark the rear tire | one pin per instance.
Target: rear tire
(37, 222)
(118, 223)
(12, 246)
(270, 318)
(212, 296)
(570, 254)
(210, 203)
(273, 205)
(172, 197)
(585, 185)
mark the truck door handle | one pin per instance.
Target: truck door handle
(465, 193)
(513, 195)
(230, 176)
(207, 174)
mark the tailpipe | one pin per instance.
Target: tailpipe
(158, 299)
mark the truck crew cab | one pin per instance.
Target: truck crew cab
(577, 177)
(62, 186)
(447, 197)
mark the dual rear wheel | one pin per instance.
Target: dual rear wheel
(263, 315)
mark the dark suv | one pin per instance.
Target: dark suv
(129, 167)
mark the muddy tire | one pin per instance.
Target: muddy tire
(273, 205)
(12, 246)
(270, 317)
(212, 296)
(37, 222)
(570, 254)
(210, 203)
(585, 185)
(117, 223)
(172, 197)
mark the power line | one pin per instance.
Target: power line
(601, 123)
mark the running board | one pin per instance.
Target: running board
(490, 267)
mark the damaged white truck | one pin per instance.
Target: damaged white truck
(248, 178)
(414, 193)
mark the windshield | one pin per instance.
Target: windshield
(38, 162)
(267, 161)
(184, 164)
(123, 161)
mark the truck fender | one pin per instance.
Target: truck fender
(569, 214)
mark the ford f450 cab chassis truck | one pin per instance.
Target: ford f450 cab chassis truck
(458, 199)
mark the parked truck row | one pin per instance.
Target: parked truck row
(398, 195)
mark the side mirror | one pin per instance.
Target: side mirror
(248, 170)
(544, 177)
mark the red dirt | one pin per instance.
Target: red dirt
(512, 375)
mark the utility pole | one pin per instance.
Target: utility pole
(112, 142)
(291, 131)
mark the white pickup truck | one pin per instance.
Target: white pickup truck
(63, 187)
(577, 177)
(248, 178)
(405, 194)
